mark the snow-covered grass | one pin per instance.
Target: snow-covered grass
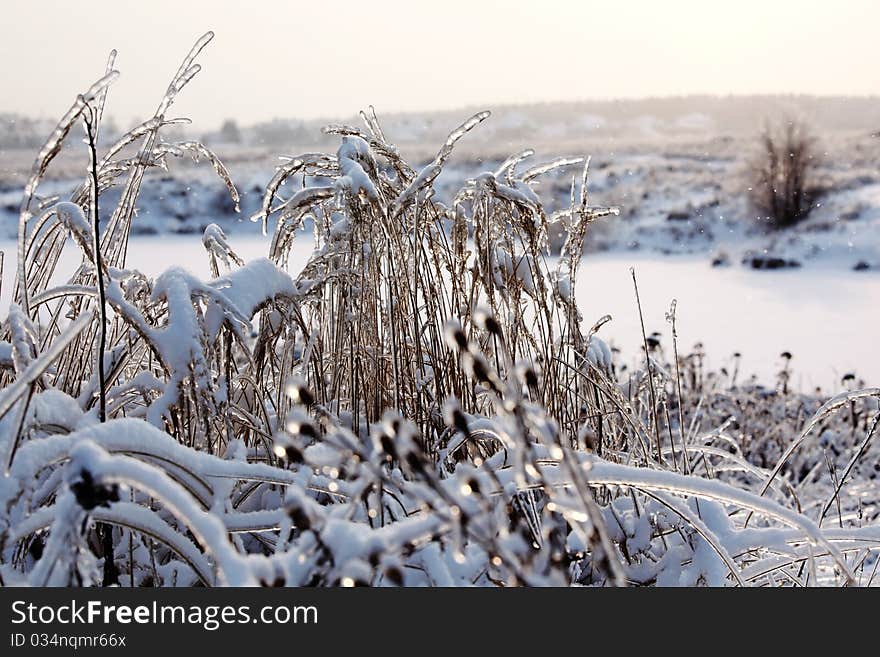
(769, 312)
(421, 402)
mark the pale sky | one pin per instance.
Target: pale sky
(330, 58)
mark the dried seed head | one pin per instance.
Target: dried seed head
(286, 448)
(298, 423)
(299, 517)
(480, 368)
(299, 392)
(394, 575)
(455, 336)
(301, 509)
(386, 446)
(90, 494)
(278, 582)
(454, 417)
(484, 319)
(477, 367)
(527, 374)
(415, 461)
(587, 437)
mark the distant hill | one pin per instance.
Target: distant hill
(606, 126)
(648, 117)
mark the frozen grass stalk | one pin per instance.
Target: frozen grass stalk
(90, 119)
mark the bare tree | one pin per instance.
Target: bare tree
(230, 132)
(781, 174)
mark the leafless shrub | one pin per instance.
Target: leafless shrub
(781, 174)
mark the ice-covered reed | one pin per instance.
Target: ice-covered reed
(421, 401)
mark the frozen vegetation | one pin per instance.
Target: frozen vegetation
(420, 401)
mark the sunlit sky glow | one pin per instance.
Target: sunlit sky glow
(309, 59)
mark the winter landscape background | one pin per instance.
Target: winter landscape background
(621, 342)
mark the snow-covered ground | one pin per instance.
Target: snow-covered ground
(678, 195)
